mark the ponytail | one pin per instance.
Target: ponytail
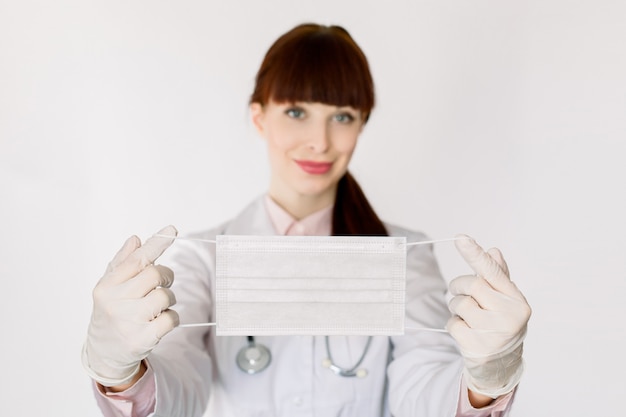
(353, 214)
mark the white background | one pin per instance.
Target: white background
(504, 120)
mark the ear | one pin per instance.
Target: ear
(258, 117)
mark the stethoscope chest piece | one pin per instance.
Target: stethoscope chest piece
(253, 358)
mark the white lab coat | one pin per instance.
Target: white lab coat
(196, 373)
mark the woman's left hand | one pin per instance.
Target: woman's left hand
(490, 315)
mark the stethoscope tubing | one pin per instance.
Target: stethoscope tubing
(255, 357)
(350, 372)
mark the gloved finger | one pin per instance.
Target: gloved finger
(163, 324)
(148, 335)
(465, 284)
(465, 337)
(129, 247)
(479, 339)
(151, 277)
(499, 258)
(484, 265)
(458, 328)
(480, 290)
(467, 309)
(157, 301)
(142, 256)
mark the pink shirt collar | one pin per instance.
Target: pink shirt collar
(315, 224)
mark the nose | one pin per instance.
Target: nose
(318, 139)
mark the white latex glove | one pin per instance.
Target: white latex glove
(130, 310)
(489, 322)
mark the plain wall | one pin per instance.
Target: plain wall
(503, 120)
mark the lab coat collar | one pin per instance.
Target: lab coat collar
(253, 220)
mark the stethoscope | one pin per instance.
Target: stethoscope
(255, 357)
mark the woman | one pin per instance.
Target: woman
(313, 96)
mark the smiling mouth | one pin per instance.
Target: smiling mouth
(315, 168)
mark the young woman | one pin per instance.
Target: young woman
(313, 96)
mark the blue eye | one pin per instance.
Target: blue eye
(295, 112)
(344, 118)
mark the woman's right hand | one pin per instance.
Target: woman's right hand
(130, 311)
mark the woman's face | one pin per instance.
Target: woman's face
(309, 146)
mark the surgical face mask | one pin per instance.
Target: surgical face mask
(310, 285)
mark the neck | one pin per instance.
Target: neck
(300, 205)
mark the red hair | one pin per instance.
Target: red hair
(323, 64)
(315, 63)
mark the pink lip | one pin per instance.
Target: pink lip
(315, 168)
